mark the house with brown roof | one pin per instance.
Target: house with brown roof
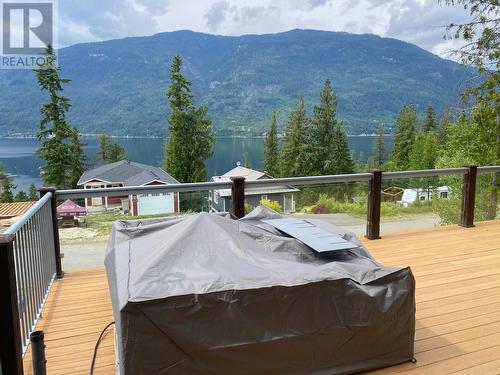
(10, 212)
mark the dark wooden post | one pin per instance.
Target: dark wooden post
(10, 331)
(55, 229)
(374, 199)
(468, 197)
(238, 196)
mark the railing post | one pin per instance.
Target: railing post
(10, 330)
(38, 353)
(374, 200)
(238, 196)
(468, 197)
(55, 229)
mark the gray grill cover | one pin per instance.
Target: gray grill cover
(205, 294)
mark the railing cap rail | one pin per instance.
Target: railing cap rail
(307, 180)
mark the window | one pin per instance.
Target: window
(443, 194)
(263, 197)
(216, 197)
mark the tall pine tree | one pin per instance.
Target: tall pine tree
(6, 187)
(406, 125)
(430, 122)
(296, 143)
(77, 158)
(61, 148)
(332, 155)
(271, 150)
(341, 154)
(191, 139)
(444, 127)
(379, 148)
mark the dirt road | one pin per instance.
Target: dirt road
(85, 250)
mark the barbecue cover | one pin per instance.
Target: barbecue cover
(206, 294)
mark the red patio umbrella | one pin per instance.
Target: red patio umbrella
(70, 208)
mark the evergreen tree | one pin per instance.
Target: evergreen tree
(271, 149)
(21, 196)
(423, 155)
(444, 127)
(361, 162)
(406, 124)
(430, 122)
(109, 151)
(191, 139)
(247, 163)
(379, 148)
(77, 158)
(296, 143)
(341, 154)
(33, 193)
(332, 155)
(57, 137)
(6, 187)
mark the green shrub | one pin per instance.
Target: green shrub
(273, 205)
(326, 204)
(248, 207)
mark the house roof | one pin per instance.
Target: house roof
(128, 173)
(251, 175)
(8, 210)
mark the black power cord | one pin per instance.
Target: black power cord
(97, 345)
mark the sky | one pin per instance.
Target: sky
(421, 22)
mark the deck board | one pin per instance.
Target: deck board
(458, 305)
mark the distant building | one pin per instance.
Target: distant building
(10, 212)
(414, 195)
(126, 173)
(220, 200)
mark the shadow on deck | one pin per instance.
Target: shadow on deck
(458, 303)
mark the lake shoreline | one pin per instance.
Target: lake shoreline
(92, 136)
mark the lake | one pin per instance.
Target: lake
(18, 159)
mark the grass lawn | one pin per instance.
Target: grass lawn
(103, 221)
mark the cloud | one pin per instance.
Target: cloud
(217, 14)
(417, 21)
(107, 19)
(317, 3)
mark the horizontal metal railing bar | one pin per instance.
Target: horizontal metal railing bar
(307, 180)
(424, 173)
(122, 191)
(310, 180)
(489, 169)
(28, 214)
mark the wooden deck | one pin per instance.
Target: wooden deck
(458, 305)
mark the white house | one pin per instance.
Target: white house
(414, 195)
(220, 200)
(127, 173)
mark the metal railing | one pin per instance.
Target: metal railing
(28, 268)
(374, 179)
(34, 263)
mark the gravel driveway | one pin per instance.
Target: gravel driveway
(82, 250)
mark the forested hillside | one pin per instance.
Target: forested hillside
(118, 86)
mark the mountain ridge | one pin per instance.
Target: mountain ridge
(118, 86)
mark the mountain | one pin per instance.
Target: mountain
(118, 86)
